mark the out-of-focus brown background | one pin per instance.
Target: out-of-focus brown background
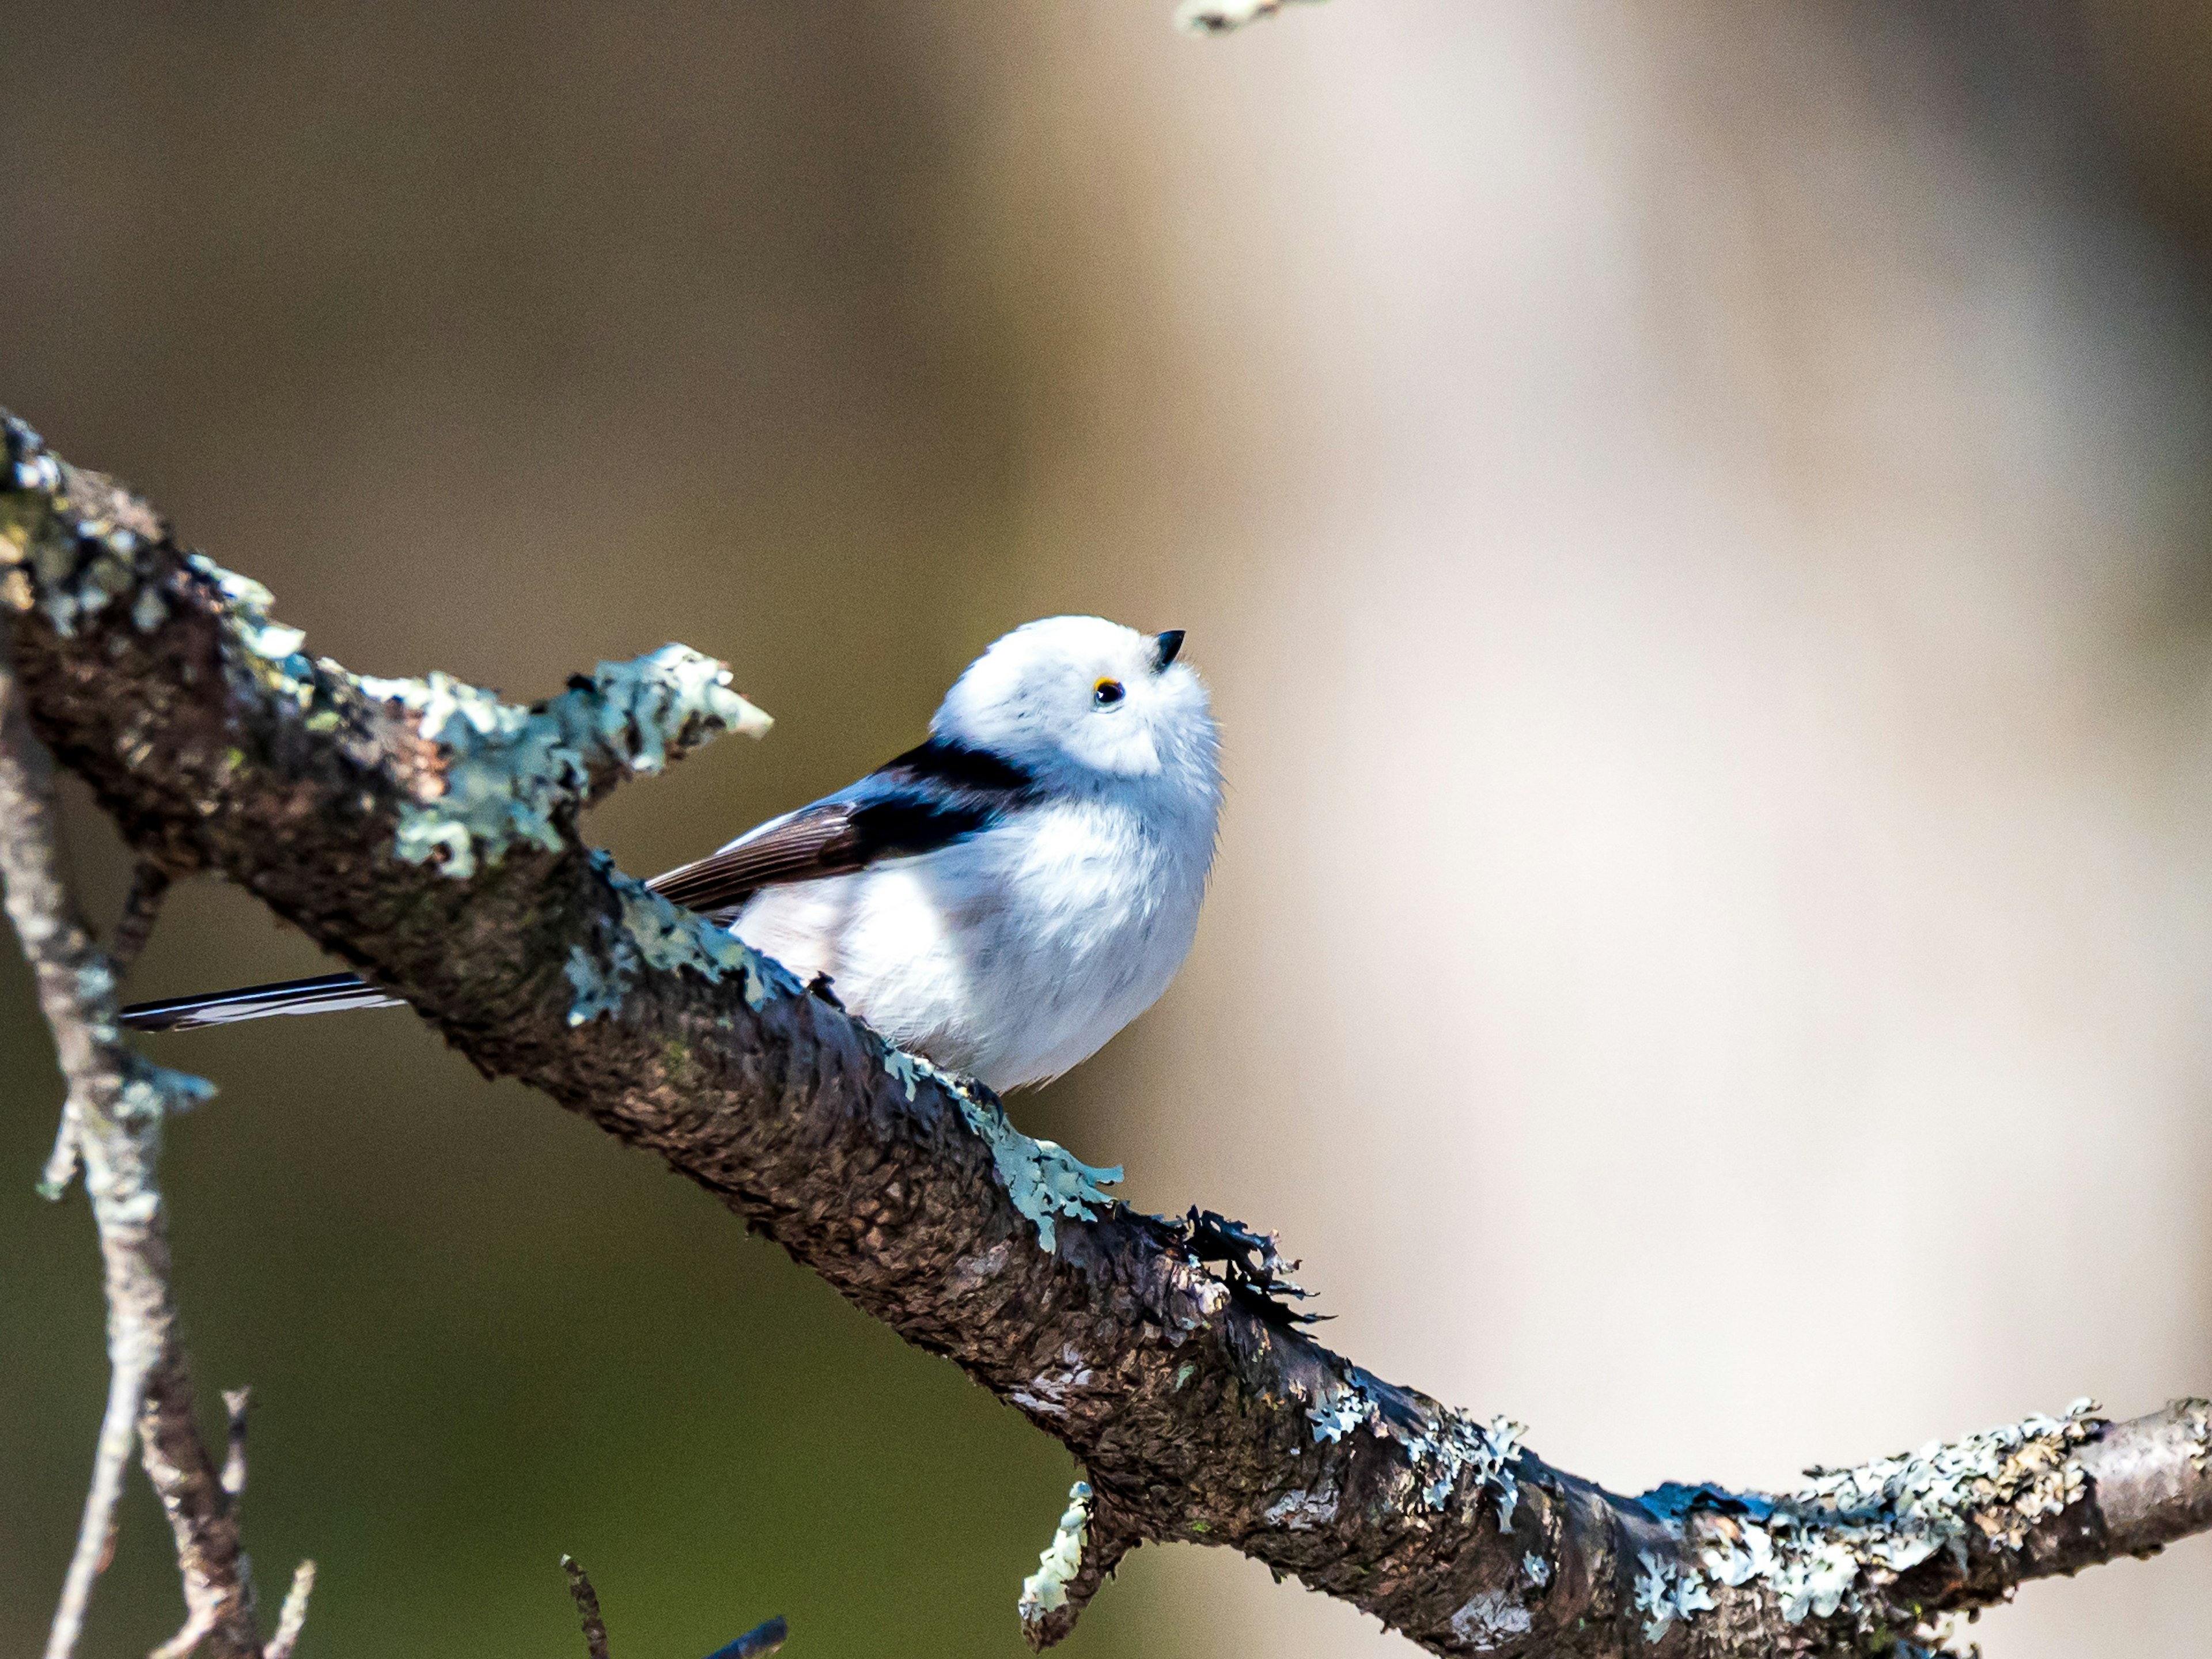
(1695, 514)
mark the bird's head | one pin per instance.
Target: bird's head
(1071, 699)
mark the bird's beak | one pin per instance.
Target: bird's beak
(1165, 646)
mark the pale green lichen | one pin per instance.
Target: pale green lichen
(72, 543)
(1487, 1450)
(151, 1091)
(1491, 1620)
(1666, 1592)
(1045, 1591)
(511, 773)
(1837, 1544)
(147, 1095)
(266, 651)
(95, 983)
(1043, 1180)
(600, 990)
(908, 1071)
(33, 471)
(1046, 1393)
(248, 603)
(1301, 1510)
(2196, 1416)
(1440, 1446)
(69, 559)
(69, 565)
(650, 931)
(1338, 1414)
(77, 569)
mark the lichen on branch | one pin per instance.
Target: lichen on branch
(426, 835)
(510, 773)
(649, 932)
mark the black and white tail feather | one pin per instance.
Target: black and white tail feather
(1001, 899)
(927, 799)
(321, 995)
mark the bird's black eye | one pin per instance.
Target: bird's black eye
(1107, 693)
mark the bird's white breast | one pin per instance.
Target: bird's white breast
(1016, 953)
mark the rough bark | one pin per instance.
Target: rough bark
(112, 1124)
(429, 841)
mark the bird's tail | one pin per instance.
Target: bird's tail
(291, 996)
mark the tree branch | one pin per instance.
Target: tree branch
(237, 1405)
(1222, 16)
(1086, 1549)
(112, 1120)
(758, 1643)
(142, 907)
(587, 1608)
(426, 833)
(292, 1617)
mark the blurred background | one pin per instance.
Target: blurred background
(1696, 516)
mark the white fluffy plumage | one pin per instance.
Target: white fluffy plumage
(1001, 900)
(1015, 951)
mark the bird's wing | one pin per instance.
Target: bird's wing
(927, 799)
(820, 840)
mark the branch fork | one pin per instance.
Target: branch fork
(1167, 1355)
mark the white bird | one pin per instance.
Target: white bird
(1001, 900)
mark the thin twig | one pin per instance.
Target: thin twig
(142, 907)
(236, 1403)
(61, 1163)
(199, 1625)
(95, 1536)
(294, 1614)
(114, 1114)
(67, 965)
(587, 1608)
(1200, 1409)
(203, 1521)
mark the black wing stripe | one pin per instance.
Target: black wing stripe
(928, 798)
(956, 766)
